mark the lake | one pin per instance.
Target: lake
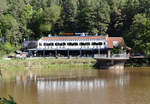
(77, 86)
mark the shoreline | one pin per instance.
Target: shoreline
(49, 63)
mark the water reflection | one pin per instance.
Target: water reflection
(103, 80)
(34, 88)
(70, 85)
(82, 83)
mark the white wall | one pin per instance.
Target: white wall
(72, 47)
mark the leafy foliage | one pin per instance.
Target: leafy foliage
(139, 34)
(31, 19)
(6, 48)
(10, 100)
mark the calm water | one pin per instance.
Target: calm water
(131, 86)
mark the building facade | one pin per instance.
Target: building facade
(83, 46)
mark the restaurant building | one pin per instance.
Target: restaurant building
(79, 45)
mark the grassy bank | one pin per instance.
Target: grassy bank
(46, 63)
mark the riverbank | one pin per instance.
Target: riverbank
(47, 63)
(138, 62)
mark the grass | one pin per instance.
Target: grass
(45, 63)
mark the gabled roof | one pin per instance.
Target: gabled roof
(73, 38)
(110, 41)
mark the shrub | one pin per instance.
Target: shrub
(10, 100)
(6, 48)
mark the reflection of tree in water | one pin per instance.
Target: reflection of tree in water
(0, 73)
(36, 86)
(103, 79)
(115, 77)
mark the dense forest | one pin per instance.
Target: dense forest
(31, 19)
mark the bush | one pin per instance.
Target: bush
(6, 48)
(7, 101)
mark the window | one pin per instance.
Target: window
(48, 44)
(72, 44)
(94, 43)
(82, 44)
(60, 44)
(64, 44)
(68, 44)
(75, 44)
(100, 43)
(56, 44)
(87, 43)
(45, 44)
(40, 44)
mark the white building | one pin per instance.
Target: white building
(83, 46)
(72, 43)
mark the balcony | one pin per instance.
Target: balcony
(112, 57)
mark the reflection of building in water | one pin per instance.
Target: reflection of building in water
(69, 85)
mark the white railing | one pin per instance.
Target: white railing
(119, 56)
(100, 55)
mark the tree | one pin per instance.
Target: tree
(116, 17)
(37, 4)
(69, 13)
(26, 17)
(10, 29)
(36, 22)
(139, 35)
(85, 20)
(3, 6)
(27, 13)
(102, 15)
(144, 7)
(15, 8)
(129, 10)
(49, 18)
(95, 18)
(84, 4)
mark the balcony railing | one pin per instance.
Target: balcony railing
(114, 56)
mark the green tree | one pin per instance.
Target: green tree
(49, 18)
(69, 13)
(116, 17)
(15, 8)
(102, 15)
(129, 10)
(10, 29)
(3, 6)
(83, 4)
(36, 22)
(85, 20)
(26, 17)
(144, 7)
(95, 18)
(139, 35)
